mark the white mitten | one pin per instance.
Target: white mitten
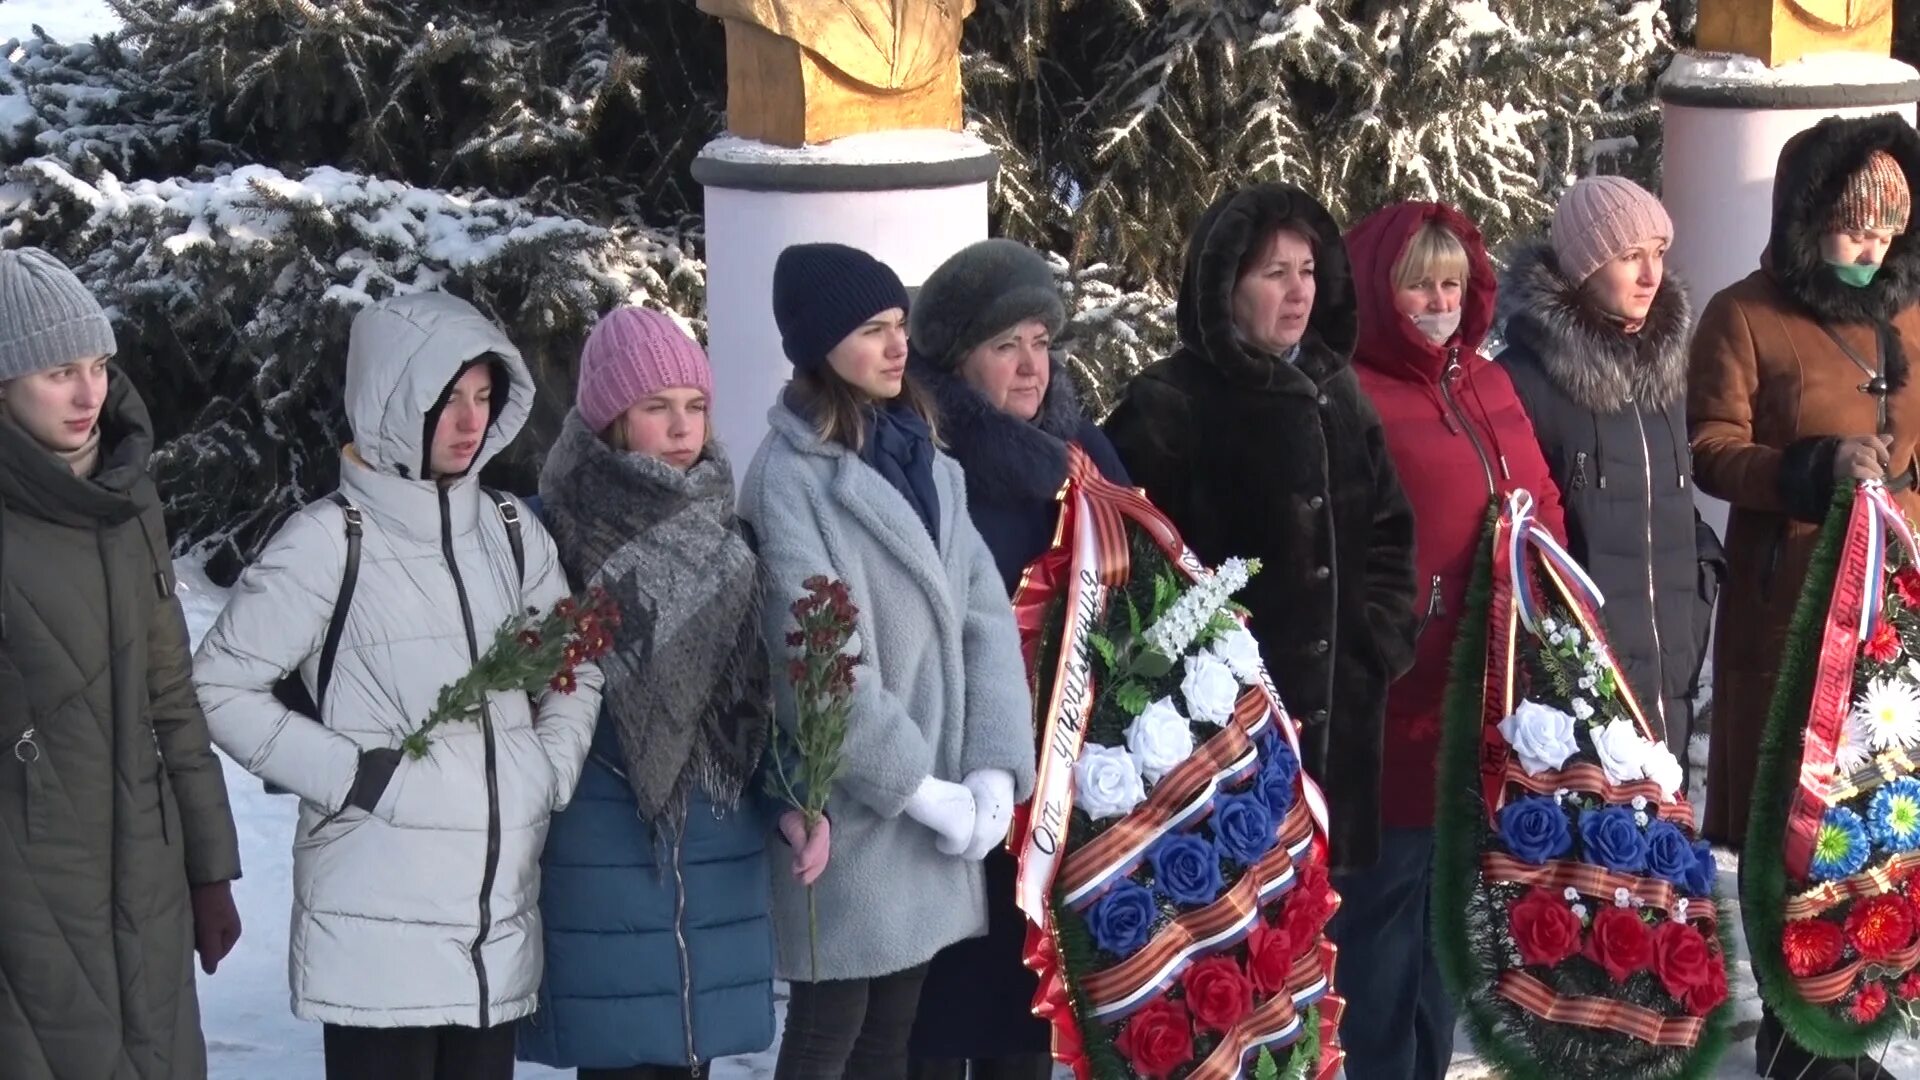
(947, 809)
(993, 810)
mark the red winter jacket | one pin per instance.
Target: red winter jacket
(1457, 433)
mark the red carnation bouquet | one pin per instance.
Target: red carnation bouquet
(530, 653)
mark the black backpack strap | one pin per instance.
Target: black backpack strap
(510, 514)
(338, 624)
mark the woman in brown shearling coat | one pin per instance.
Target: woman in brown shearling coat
(1799, 378)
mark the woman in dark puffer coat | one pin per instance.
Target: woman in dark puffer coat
(982, 331)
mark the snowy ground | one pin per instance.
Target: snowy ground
(64, 20)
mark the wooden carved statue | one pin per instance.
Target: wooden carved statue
(1782, 31)
(808, 71)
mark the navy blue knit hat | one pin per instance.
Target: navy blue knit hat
(823, 292)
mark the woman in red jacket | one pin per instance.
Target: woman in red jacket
(1459, 438)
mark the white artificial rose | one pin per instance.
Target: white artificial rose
(1542, 735)
(1240, 652)
(1664, 769)
(1623, 753)
(1160, 739)
(1106, 782)
(1210, 689)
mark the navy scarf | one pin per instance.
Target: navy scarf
(899, 446)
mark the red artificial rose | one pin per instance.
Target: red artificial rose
(1869, 1002)
(1681, 958)
(1812, 946)
(1884, 646)
(1906, 585)
(1620, 942)
(1544, 927)
(1270, 957)
(1880, 926)
(1308, 907)
(1707, 996)
(1218, 993)
(1158, 1039)
(1909, 987)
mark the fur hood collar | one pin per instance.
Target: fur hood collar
(1585, 352)
(1813, 170)
(1221, 239)
(1005, 459)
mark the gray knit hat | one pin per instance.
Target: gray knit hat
(47, 317)
(983, 290)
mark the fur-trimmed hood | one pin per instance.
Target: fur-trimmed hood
(1005, 459)
(1813, 170)
(1586, 352)
(1230, 227)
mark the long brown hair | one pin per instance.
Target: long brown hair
(834, 405)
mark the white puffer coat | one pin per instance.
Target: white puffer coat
(425, 912)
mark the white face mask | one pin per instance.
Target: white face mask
(1438, 327)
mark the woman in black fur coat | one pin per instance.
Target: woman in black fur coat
(982, 333)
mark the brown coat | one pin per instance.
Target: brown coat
(1770, 395)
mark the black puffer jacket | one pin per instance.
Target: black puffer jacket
(1610, 411)
(1255, 457)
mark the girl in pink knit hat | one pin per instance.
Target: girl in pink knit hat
(656, 880)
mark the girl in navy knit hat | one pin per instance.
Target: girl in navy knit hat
(849, 485)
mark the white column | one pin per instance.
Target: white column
(911, 199)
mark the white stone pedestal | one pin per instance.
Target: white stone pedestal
(909, 198)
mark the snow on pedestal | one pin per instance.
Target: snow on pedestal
(910, 198)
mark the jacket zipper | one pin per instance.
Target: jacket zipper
(26, 750)
(1466, 426)
(1434, 607)
(1653, 611)
(491, 868)
(680, 943)
(160, 782)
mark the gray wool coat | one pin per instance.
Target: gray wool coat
(941, 691)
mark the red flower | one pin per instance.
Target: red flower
(529, 638)
(1869, 1002)
(1308, 907)
(1158, 1039)
(1544, 927)
(1218, 993)
(1812, 946)
(796, 671)
(571, 655)
(1681, 958)
(1881, 926)
(563, 682)
(1620, 942)
(566, 608)
(796, 639)
(1270, 957)
(1884, 646)
(1909, 987)
(1707, 996)
(1906, 586)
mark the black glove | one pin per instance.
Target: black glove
(370, 780)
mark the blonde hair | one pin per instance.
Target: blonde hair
(834, 406)
(1434, 252)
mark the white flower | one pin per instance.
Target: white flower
(1572, 894)
(1580, 912)
(1886, 717)
(1640, 818)
(1542, 735)
(1239, 651)
(1623, 753)
(1106, 782)
(1210, 689)
(1549, 625)
(1582, 708)
(1588, 682)
(1160, 739)
(1680, 910)
(1561, 795)
(1573, 635)
(1622, 898)
(1639, 802)
(1175, 630)
(1639, 903)
(1557, 637)
(1850, 753)
(1664, 769)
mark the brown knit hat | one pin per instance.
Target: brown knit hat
(1876, 197)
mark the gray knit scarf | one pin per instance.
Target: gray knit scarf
(687, 682)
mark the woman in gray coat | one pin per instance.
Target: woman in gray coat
(849, 485)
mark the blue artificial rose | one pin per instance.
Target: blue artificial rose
(1122, 921)
(1535, 829)
(1243, 828)
(1612, 839)
(1670, 853)
(1186, 869)
(1278, 771)
(1705, 871)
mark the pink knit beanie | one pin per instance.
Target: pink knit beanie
(631, 354)
(1600, 217)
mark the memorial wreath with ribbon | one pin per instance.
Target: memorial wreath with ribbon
(1173, 859)
(1574, 906)
(1833, 843)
